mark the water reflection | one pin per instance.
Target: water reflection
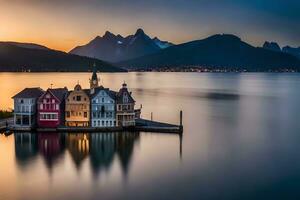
(26, 148)
(51, 147)
(101, 148)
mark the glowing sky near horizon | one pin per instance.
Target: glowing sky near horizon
(64, 24)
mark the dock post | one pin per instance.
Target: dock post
(180, 124)
(151, 116)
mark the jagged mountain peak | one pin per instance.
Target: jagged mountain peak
(108, 34)
(271, 46)
(114, 47)
(139, 32)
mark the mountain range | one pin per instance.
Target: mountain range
(16, 57)
(115, 48)
(217, 51)
(114, 53)
(286, 49)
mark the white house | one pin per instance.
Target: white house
(103, 111)
(25, 107)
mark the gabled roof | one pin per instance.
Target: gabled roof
(124, 91)
(30, 93)
(59, 93)
(111, 93)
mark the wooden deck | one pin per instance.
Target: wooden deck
(142, 125)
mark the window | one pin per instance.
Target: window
(102, 123)
(41, 106)
(18, 119)
(22, 101)
(85, 114)
(125, 98)
(57, 107)
(109, 114)
(110, 123)
(53, 101)
(119, 107)
(78, 98)
(102, 100)
(68, 113)
(53, 116)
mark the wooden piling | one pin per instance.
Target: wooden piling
(180, 123)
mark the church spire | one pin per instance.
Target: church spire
(94, 81)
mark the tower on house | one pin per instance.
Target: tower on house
(94, 81)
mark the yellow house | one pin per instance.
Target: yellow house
(78, 107)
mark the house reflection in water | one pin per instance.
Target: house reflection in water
(78, 146)
(101, 148)
(26, 148)
(104, 148)
(51, 147)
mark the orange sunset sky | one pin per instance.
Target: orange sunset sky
(64, 24)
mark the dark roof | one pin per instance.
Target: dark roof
(59, 93)
(87, 91)
(30, 93)
(111, 93)
(124, 91)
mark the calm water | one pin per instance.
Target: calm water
(241, 141)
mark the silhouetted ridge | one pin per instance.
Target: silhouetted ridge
(114, 48)
(218, 51)
(271, 46)
(14, 58)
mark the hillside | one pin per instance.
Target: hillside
(14, 58)
(218, 51)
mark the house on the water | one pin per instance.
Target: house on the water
(125, 114)
(103, 107)
(77, 107)
(102, 104)
(94, 107)
(25, 108)
(51, 108)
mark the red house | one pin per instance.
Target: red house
(51, 108)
